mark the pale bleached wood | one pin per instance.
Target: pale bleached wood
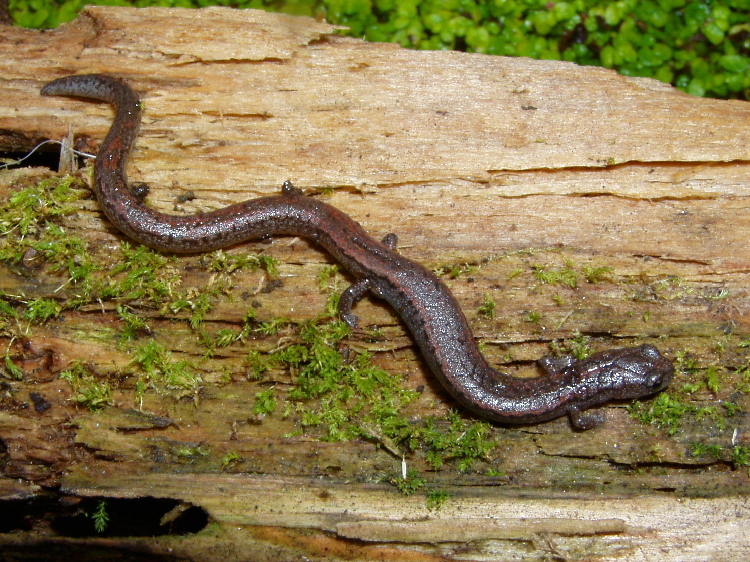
(623, 529)
(469, 159)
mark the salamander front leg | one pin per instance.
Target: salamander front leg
(555, 367)
(582, 422)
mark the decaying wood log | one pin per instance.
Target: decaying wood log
(635, 195)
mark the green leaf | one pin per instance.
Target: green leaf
(609, 57)
(735, 63)
(713, 32)
(696, 88)
(653, 14)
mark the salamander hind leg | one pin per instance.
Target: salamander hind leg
(140, 190)
(390, 241)
(288, 189)
(351, 296)
(555, 365)
(354, 293)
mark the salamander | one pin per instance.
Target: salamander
(422, 301)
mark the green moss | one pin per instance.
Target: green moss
(10, 367)
(579, 346)
(665, 411)
(488, 307)
(30, 234)
(270, 327)
(437, 499)
(156, 368)
(533, 317)
(134, 325)
(32, 224)
(141, 275)
(222, 262)
(463, 441)
(560, 276)
(703, 450)
(33, 209)
(712, 379)
(340, 398)
(88, 390)
(265, 402)
(664, 289)
(670, 409)
(741, 455)
(455, 271)
(41, 309)
(8, 310)
(731, 409)
(230, 459)
(100, 517)
(413, 482)
(738, 455)
(594, 274)
(190, 451)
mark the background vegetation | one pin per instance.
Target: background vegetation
(700, 46)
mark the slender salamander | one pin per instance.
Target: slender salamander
(423, 302)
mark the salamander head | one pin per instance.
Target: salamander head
(633, 372)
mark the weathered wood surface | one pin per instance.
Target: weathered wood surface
(465, 157)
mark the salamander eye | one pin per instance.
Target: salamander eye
(659, 378)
